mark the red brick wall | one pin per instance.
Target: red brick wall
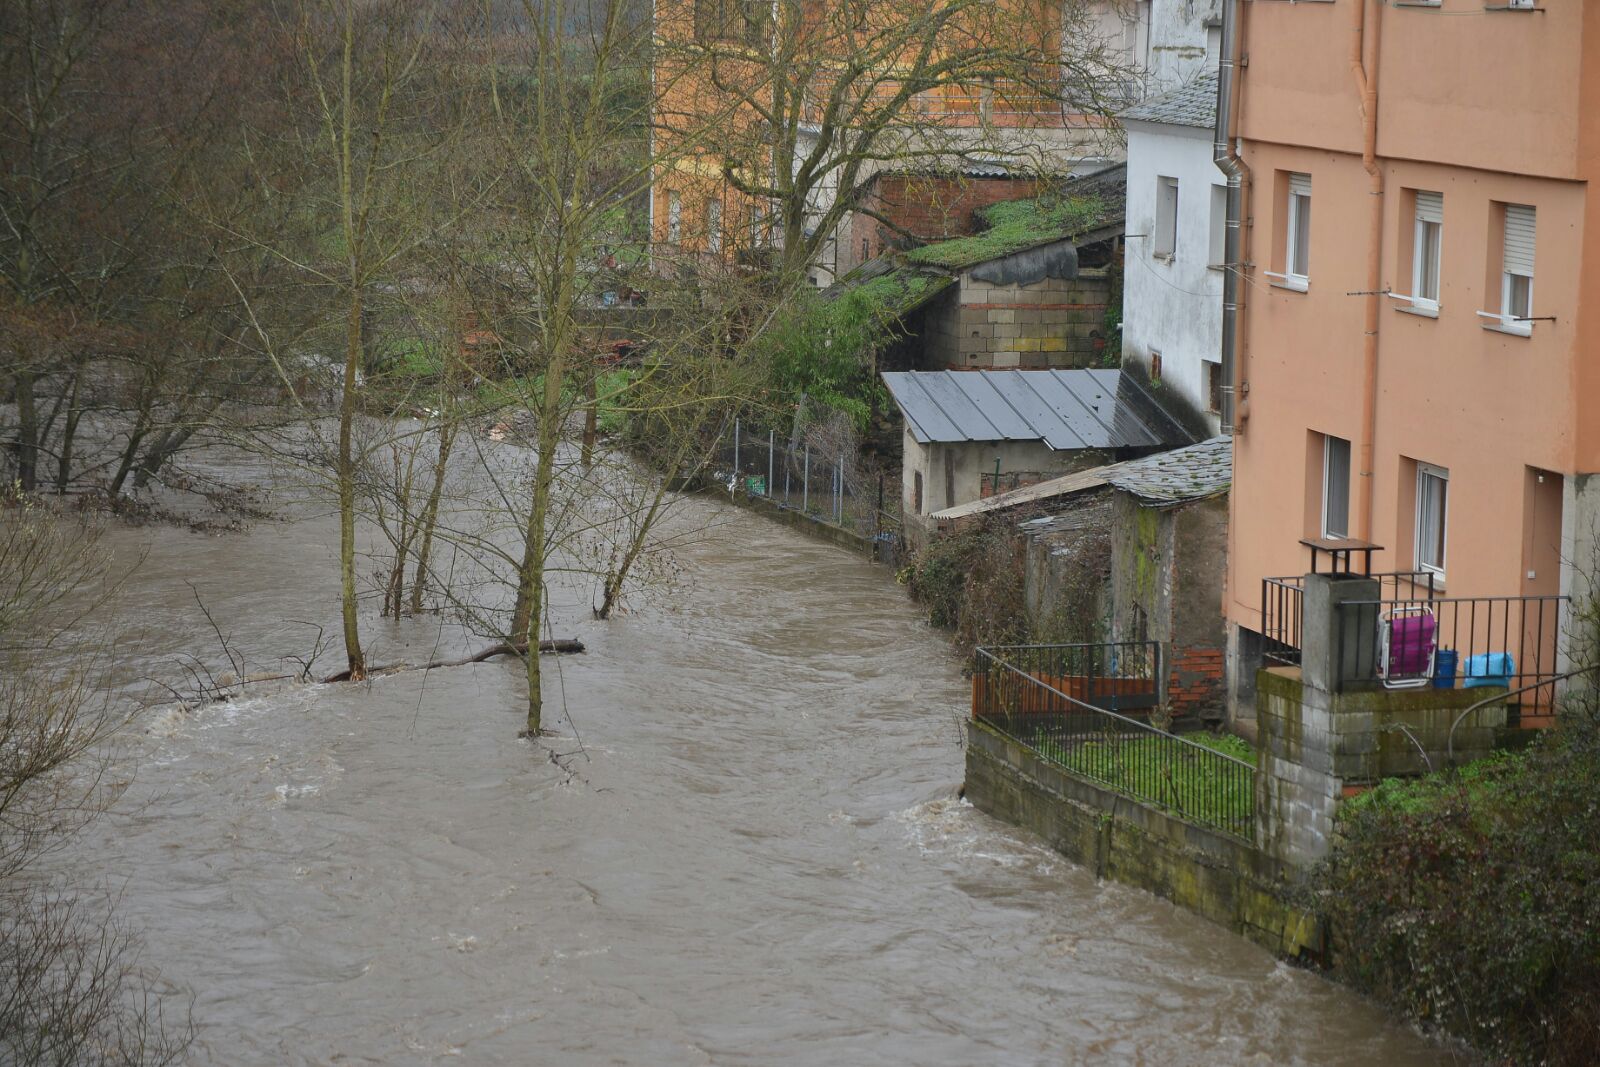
(931, 208)
(1194, 686)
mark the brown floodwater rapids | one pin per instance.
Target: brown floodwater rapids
(753, 854)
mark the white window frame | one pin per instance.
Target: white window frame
(1426, 254)
(1328, 441)
(1219, 227)
(714, 225)
(1297, 252)
(1442, 474)
(1516, 265)
(1164, 245)
(674, 217)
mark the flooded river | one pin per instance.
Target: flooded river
(750, 850)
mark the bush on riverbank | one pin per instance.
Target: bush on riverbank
(1470, 899)
(972, 583)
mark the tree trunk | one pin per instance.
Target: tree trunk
(27, 433)
(69, 432)
(430, 511)
(530, 589)
(347, 491)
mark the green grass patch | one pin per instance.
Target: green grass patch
(1163, 771)
(1014, 226)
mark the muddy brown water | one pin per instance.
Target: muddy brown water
(755, 856)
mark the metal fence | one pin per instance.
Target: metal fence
(1050, 699)
(1509, 640)
(831, 486)
(1283, 608)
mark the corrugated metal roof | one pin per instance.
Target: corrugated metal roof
(1194, 104)
(1179, 476)
(1065, 409)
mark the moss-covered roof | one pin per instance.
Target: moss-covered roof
(1015, 226)
(900, 282)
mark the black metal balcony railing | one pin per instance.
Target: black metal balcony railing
(1509, 640)
(1058, 700)
(1283, 608)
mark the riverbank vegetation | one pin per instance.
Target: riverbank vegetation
(1469, 900)
(71, 988)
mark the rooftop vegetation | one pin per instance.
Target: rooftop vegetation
(1014, 226)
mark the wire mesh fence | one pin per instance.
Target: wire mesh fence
(829, 484)
(1056, 700)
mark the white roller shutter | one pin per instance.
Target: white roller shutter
(1430, 207)
(1519, 240)
(1299, 185)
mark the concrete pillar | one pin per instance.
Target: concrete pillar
(1337, 646)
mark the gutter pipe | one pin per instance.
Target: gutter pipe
(1364, 40)
(1235, 379)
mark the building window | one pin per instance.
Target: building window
(1218, 256)
(916, 493)
(714, 225)
(1433, 485)
(738, 21)
(1155, 365)
(1214, 387)
(757, 226)
(866, 250)
(1297, 240)
(1166, 236)
(674, 217)
(1335, 487)
(1425, 242)
(1516, 271)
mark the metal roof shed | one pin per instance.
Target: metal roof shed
(1064, 409)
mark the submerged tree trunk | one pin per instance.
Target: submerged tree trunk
(69, 431)
(347, 491)
(430, 511)
(27, 433)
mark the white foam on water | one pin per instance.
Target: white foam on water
(951, 827)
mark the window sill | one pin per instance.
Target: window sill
(1420, 312)
(1164, 257)
(1508, 7)
(1417, 3)
(1509, 331)
(1293, 285)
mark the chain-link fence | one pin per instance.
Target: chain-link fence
(824, 480)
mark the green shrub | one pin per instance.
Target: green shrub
(972, 583)
(1470, 899)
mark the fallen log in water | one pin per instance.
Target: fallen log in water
(560, 646)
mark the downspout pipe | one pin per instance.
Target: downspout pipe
(1365, 35)
(1235, 380)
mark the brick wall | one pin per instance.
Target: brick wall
(1052, 323)
(934, 209)
(1195, 683)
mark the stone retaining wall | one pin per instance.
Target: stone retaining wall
(1219, 877)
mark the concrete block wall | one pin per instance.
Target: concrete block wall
(1052, 323)
(1315, 747)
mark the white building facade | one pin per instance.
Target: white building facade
(1172, 271)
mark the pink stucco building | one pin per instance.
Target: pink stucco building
(1416, 353)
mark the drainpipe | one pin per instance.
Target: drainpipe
(1235, 381)
(1364, 40)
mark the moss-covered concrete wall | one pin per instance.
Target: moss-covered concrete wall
(1219, 877)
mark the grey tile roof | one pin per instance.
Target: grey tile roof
(1194, 104)
(1063, 408)
(1179, 476)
